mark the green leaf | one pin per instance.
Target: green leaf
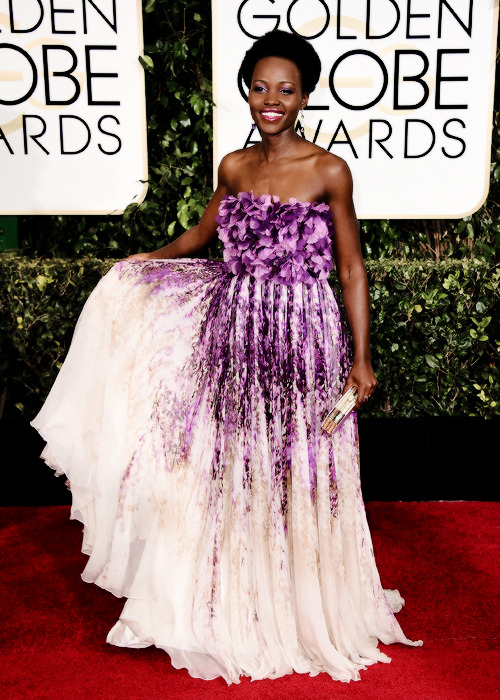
(196, 103)
(146, 62)
(432, 361)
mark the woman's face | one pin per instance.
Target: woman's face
(275, 96)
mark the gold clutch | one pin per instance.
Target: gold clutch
(341, 410)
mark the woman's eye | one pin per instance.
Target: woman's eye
(259, 88)
(287, 91)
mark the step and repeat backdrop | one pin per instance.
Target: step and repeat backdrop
(72, 107)
(405, 95)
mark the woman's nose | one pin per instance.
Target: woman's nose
(272, 99)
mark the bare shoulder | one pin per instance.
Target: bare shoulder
(335, 176)
(333, 169)
(232, 164)
(330, 172)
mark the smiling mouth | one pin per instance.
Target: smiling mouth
(271, 115)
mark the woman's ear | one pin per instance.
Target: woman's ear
(305, 100)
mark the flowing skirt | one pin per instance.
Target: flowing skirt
(187, 417)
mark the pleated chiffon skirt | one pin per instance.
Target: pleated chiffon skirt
(187, 418)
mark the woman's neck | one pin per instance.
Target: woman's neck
(279, 146)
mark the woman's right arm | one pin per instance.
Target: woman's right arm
(197, 238)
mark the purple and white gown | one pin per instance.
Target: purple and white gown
(187, 417)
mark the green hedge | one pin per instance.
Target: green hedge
(435, 337)
(435, 332)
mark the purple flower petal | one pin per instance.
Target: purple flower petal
(286, 242)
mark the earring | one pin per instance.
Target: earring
(254, 126)
(301, 124)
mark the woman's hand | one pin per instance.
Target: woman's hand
(198, 237)
(139, 256)
(363, 377)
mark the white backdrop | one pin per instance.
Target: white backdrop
(72, 108)
(426, 67)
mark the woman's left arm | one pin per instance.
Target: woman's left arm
(352, 277)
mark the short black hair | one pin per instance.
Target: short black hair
(284, 45)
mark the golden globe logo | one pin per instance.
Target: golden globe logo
(405, 94)
(71, 106)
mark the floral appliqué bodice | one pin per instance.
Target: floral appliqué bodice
(287, 242)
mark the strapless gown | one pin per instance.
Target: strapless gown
(187, 417)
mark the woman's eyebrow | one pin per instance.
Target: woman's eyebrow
(281, 82)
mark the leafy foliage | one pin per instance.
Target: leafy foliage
(434, 331)
(436, 341)
(40, 301)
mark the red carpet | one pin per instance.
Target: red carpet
(442, 556)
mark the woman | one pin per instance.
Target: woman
(188, 415)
